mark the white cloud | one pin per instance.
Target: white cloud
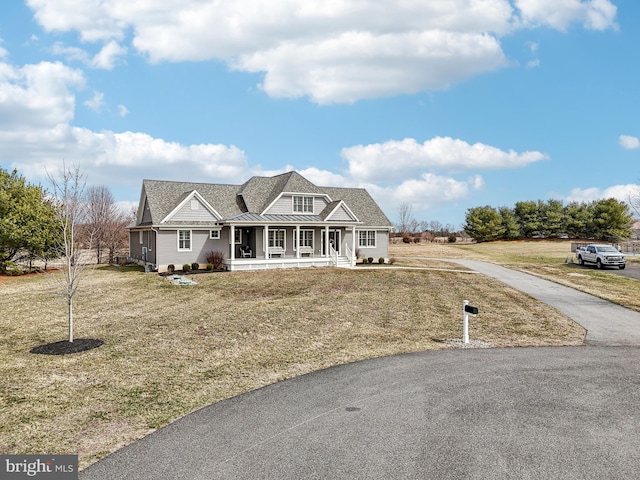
(326, 178)
(401, 159)
(344, 69)
(122, 110)
(37, 96)
(96, 102)
(37, 104)
(559, 14)
(426, 191)
(337, 51)
(109, 56)
(628, 142)
(106, 59)
(620, 192)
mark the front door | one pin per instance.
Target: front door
(334, 240)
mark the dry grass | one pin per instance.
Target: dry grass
(547, 259)
(172, 349)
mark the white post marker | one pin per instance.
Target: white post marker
(465, 322)
(466, 310)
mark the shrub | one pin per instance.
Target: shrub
(406, 237)
(215, 258)
(381, 260)
(416, 239)
(195, 266)
(171, 268)
(452, 238)
(370, 259)
(364, 260)
(357, 253)
(209, 266)
(392, 260)
(186, 267)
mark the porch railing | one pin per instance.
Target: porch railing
(349, 254)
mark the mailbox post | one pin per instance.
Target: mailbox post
(467, 309)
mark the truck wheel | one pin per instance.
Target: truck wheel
(621, 267)
(580, 261)
(599, 264)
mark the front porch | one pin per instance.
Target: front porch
(264, 247)
(243, 264)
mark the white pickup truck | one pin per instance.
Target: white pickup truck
(601, 255)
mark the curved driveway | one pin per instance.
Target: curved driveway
(521, 413)
(606, 323)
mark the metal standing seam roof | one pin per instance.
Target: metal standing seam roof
(246, 202)
(267, 218)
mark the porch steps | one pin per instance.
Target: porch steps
(344, 262)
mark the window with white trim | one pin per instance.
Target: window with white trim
(238, 235)
(184, 240)
(195, 204)
(149, 239)
(306, 238)
(214, 234)
(302, 204)
(277, 238)
(367, 238)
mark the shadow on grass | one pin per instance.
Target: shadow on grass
(122, 269)
(65, 347)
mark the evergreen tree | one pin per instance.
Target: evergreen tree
(509, 223)
(28, 224)
(612, 220)
(483, 224)
(528, 215)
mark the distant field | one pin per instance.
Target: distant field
(171, 349)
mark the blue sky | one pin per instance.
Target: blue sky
(441, 104)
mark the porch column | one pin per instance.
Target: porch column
(297, 241)
(327, 250)
(353, 246)
(232, 241)
(266, 241)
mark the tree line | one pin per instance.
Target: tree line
(31, 226)
(608, 219)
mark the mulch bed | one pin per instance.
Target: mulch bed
(65, 347)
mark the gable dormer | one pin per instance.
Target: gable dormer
(192, 208)
(338, 212)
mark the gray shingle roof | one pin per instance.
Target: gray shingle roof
(242, 202)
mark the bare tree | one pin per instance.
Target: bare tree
(68, 187)
(107, 222)
(116, 237)
(406, 222)
(634, 201)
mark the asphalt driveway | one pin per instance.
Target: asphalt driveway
(606, 323)
(520, 413)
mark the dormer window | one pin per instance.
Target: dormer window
(302, 204)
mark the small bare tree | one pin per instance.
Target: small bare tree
(407, 224)
(68, 189)
(107, 222)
